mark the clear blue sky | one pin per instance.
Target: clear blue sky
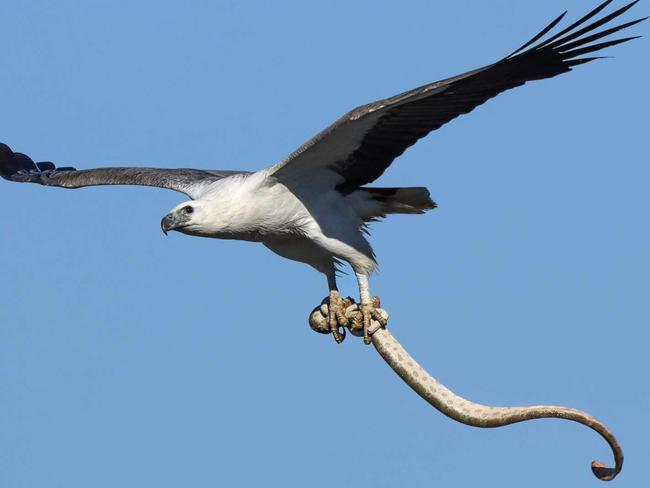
(130, 359)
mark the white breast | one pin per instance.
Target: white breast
(253, 207)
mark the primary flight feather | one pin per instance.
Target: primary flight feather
(313, 206)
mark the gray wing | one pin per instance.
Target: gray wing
(19, 167)
(359, 147)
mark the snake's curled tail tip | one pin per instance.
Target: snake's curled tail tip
(603, 472)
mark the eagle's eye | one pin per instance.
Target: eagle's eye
(188, 210)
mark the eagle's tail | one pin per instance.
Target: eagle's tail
(374, 203)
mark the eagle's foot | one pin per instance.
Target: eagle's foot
(371, 318)
(335, 314)
(336, 319)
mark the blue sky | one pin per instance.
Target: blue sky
(130, 359)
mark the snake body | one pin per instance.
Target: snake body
(457, 407)
(477, 415)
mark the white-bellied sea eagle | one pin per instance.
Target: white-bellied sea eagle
(314, 206)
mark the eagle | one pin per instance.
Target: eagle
(315, 206)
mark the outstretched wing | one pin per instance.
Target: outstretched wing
(359, 147)
(19, 167)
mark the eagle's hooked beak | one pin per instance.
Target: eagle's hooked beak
(167, 223)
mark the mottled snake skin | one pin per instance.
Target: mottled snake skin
(478, 415)
(454, 406)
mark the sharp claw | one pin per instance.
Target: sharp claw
(336, 318)
(338, 336)
(378, 317)
(337, 331)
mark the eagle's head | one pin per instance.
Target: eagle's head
(185, 218)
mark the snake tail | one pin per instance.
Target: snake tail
(476, 415)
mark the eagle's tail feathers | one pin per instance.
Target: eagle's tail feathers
(374, 203)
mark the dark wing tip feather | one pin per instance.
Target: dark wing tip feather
(570, 38)
(45, 166)
(577, 62)
(561, 49)
(15, 166)
(598, 35)
(578, 22)
(11, 162)
(541, 34)
(595, 47)
(558, 41)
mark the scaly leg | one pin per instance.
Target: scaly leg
(368, 306)
(336, 309)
